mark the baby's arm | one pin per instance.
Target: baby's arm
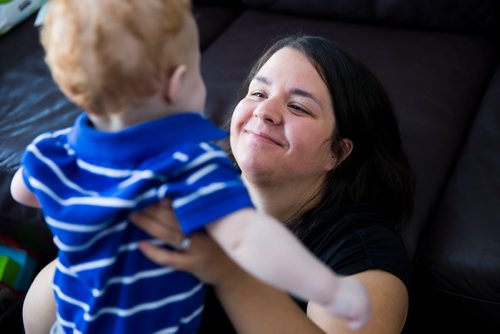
(20, 192)
(268, 250)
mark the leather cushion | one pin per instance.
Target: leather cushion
(463, 242)
(469, 15)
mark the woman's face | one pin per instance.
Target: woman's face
(282, 129)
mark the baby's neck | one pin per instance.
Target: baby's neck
(117, 120)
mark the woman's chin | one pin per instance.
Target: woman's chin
(257, 168)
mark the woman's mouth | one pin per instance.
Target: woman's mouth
(262, 136)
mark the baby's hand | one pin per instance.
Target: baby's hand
(351, 303)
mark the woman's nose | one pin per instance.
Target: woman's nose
(268, 112)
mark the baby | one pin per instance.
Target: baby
(134, 68)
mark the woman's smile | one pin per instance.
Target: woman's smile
(263, 137)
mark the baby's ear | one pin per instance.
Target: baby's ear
(172, 84)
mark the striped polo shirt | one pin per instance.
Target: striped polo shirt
(88, 182)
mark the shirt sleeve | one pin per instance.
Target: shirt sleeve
(217, 190)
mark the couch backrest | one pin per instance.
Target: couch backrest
(451, 15)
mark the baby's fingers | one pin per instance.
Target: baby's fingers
(352, 303)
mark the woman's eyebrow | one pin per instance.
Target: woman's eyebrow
(262, 79)
(303, 93)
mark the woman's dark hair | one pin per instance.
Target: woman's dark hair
(377, 171)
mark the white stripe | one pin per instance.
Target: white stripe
(168, 330)
(62, 269)
(184, 320)
(68, 299)
(74, 227)
(143, 307)
(143, 175)
(68, 248)
(162, 191)
(60, 175)
(193, 315)
(126, 280)
(201, 173)
(104, 171)
(54, 134)
(64, 322)
(105, 261)
(203, 191)
(180, 156)
(205, 146)
(202, 159)
(93, 264)
(69, 150)
(113, 202)
(130, 175)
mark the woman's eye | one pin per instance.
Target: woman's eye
(299, 109)
(258, 94)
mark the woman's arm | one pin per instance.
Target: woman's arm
(39, 307)
(255, 307)
(389, 300)
(274, 312)
(252, 306)
(268, 250)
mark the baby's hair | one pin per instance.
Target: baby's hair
(107, 55)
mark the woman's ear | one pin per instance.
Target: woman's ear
(347, 146)
(172, 84)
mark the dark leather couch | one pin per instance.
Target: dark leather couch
(439, 62)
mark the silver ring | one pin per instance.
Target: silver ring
(184, 244)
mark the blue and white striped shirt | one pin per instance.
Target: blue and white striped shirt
(89, 181)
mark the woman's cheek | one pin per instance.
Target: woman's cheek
(236, 121)
(239, 118)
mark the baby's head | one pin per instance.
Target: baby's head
(111, 55)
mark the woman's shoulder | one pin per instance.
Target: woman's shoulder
(358, 238)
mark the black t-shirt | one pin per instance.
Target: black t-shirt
(356, 239)
(349, 240)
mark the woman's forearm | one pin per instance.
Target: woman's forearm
(254, 307)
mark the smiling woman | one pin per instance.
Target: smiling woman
(286, 121)
(306, 136)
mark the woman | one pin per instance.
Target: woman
(319, 149)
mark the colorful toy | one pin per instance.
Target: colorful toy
(14, 11)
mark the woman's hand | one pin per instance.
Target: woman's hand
(243, 297)
(204, 258)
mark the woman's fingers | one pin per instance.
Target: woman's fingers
(159, 221)
(160, 213)
(204, 258)
(164, 257)
(163, 231)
